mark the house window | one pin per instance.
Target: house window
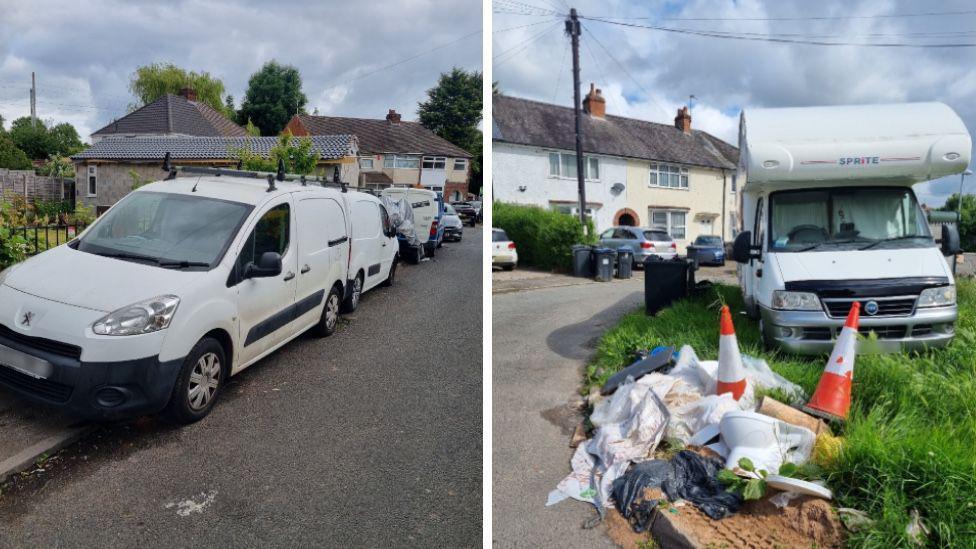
(366, 163)
(92, 180)
(668, 175)
(673, 220)
(460, 164)
(389, 161)
(564, 165)
(407, 162)
(570, 209)
(434, 162)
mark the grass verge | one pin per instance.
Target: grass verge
(910, 442)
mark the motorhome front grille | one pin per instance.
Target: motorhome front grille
(821, 333)
(886, 306)
(50, 390)
(885, 332)
(41, 344)
(922, 330)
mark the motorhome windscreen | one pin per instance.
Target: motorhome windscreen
(846, 218)
(166, 229)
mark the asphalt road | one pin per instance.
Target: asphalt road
(541, 341)
(371, 437)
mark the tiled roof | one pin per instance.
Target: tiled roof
(382, 136)
(525, 122)
(330, 147)
(174, 114)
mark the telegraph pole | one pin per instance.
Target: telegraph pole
(33, 101)
(573, 29)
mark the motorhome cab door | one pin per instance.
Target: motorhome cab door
(753, 271)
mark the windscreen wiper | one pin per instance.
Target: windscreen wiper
(892, 239)
(819, 244)
(181, 263)
(130, 257)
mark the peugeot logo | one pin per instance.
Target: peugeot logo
(28, 316)
(871, 308)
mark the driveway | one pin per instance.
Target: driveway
(542, 340)
(371, 437)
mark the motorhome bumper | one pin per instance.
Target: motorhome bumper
(812, 332)
(91, 390)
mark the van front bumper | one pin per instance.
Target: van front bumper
(101, 391)
(813, 332)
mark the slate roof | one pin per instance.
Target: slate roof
(381, 136)
(526, 122)
(330, 147)
(174, 114)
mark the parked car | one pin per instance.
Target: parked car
(478, 207)
(708, 250)
(467, 212)
(179, 286)
(503, 252)
(453, 228)
(644, 242)
(428, 208)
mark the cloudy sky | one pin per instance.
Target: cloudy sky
(647, 73)
(84, 51)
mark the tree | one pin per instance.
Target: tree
(296, 152)
(967, 223)
(64, 140)
(150, 82)
(12, 157)
(229, 105)
(453, 111)
(251, 129)
(33, 139)
(274, 95)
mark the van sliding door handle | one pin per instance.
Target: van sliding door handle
(289, 276)
(306, 269)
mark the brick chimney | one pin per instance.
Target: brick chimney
(683, 120)
(189, 93)
(594, 104)
(393, 117)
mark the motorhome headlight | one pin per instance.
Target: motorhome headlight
(139, 318)
(795, 301)
(937, 297)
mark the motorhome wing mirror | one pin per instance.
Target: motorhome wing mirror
(742, 247)
(950, 240)
(269, 264)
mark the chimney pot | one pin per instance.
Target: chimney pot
(189, 93)
(594, 104)
(393, 117)
(683, 120)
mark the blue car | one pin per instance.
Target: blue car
(708, 250)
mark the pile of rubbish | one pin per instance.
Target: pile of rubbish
(732, 445)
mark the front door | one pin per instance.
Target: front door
(265, 304)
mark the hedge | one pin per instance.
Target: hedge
(543, 237)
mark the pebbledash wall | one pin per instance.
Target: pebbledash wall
(525, 171)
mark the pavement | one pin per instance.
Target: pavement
(371, 437)
(524, 279)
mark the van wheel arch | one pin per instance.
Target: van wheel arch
(351, 302)
(223, 337)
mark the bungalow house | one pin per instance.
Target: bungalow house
(114, 165)
(394, 152)
(172, 115)
(638, 173)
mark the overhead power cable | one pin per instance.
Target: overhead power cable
(497, 59)
(805, 18)
(625, 71)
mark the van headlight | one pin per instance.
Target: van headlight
(795, 301)
(937, 297)
(139, 318)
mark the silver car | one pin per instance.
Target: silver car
(645, 242)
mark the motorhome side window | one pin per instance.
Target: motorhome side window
(271, 234)
(846, 218)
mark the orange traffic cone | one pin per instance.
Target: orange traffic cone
(832, 399)
(731, 374)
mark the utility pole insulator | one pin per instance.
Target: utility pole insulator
(573, 29)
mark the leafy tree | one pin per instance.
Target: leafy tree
(967, 224)
(150, 82)
(229, 105)
(12, 157)
(65, 140)
(453, 111)
(296, 152)
(274, 95)
(58, 166)
(2, 130)
(251, 129)
(33, 139)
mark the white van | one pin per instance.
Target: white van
(428, 208)
(178, 286)
(829, 218)
(374, 252)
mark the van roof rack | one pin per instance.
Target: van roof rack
(280, 175)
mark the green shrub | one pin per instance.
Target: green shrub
(543, 237)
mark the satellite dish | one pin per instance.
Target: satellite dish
(617, 188)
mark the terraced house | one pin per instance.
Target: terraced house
(638, 173)
(395, 152)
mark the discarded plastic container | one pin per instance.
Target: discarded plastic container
(664, 282)
(603, 259)
(582, 260)
(625, 262)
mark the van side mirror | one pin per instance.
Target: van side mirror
(268, 265)
(742, 248)
(950, 240)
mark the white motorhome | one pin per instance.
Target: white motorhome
(179, 286)
(829, 218)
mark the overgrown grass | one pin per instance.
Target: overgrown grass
(910, 442)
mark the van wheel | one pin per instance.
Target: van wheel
(199, 384)
(330, 314)
(352, 302)
(389, 279)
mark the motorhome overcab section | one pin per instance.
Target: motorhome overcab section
(180, 285)
(829, 218)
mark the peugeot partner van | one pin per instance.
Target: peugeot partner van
(177, 287)
(830, 218)
(374, 252)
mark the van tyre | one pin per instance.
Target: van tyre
(355, 293)
(200, 382)
(329, 320)
(389, 279)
